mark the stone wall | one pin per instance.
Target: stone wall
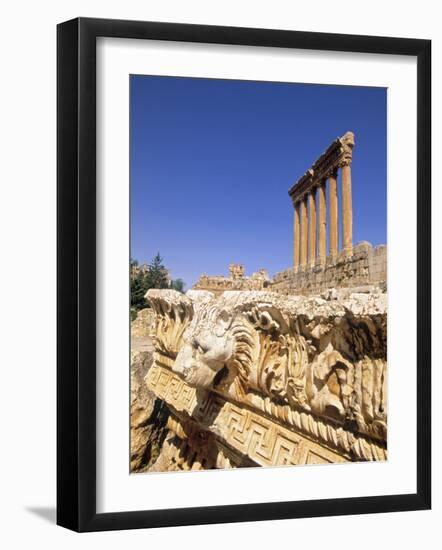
(378, 264)
(367, 266)
(235, 281)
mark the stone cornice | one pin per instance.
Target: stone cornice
(338, 154)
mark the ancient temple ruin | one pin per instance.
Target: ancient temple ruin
(258, 379)
(310, 190)
(237, 280)
(291, 370)
(315, 269)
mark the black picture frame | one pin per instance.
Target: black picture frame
(76, 274)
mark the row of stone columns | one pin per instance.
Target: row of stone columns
(310, 224)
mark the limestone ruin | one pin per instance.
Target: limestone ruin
(253, 371)
(257, 379)
(338, 156)
(313, 270)
(235, 281)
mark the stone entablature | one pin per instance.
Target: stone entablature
(260, 379)
(236, 280)
(366, 267)
(337, 155)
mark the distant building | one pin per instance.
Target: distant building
(235, 281)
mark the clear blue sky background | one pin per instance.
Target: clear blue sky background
(212, 161)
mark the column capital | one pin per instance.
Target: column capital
(347, 144)
(296, 201)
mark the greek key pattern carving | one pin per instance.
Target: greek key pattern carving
(263, 441)
(169, 387)
(223, 418)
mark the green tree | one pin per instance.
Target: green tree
(141, 280)
(157, 275)
(177, 284)
(137, 292)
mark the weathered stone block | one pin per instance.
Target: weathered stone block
(259, 379)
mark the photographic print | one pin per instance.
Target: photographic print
(222, 298)
(258, 274)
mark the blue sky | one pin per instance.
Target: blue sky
(212, 161)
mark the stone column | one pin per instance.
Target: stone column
(312, 226)
(296, 237)
(333, 237)
(303, 253)
(322, 224)
(347, 211)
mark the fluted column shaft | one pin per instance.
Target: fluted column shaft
(333, 194)
(312, 226)
(296, 237)
(304, 230)
(322, 224)
(347, 211)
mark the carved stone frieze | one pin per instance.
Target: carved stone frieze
(274, 379)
